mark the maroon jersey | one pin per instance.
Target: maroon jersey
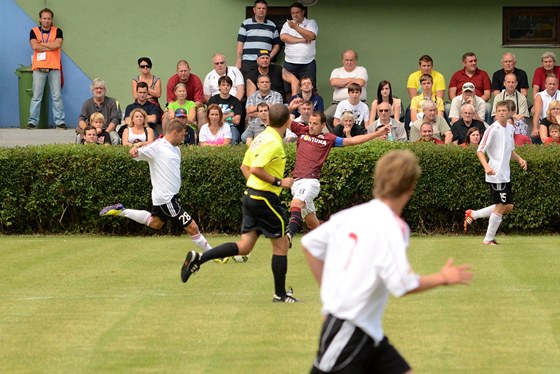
(312, 151)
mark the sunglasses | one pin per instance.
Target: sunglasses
(219, 63)
(383, 110)
(145, 67)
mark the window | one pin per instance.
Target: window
(531, 26)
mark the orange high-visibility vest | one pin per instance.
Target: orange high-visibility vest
(52, 59)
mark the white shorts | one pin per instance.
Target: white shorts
(306, 190)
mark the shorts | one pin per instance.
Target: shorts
(345, 348)
(263, 212)
(501, 193)
(306, 190)
(173, 211)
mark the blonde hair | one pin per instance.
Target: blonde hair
(144, 114)
(553, 104)
(396, 173)
(97, 116)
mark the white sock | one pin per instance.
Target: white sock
(201, 242)
(484, 212)
(140, 216)
(493, 225)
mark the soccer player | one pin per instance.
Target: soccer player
(313, 147)
(263, 168)
(164, 158)
(358, 257)
(498, 143)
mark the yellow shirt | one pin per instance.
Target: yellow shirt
(266, 151)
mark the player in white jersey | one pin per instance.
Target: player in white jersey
(358, 258)
(164, 158)
(498, 144)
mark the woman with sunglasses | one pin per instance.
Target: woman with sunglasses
(153, 82)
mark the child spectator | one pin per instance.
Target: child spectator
(97, 120)
(554, 134)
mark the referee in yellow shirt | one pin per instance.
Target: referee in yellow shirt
(263, 167)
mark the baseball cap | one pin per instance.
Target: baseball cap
(468, 86)
(263, 52)
(180, 112)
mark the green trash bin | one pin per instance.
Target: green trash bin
(25, 89)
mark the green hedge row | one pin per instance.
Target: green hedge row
(61, 188)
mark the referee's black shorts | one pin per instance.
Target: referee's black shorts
(263, 212)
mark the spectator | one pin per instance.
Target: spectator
(232, 108)
(460, 128)
(90, 135)
(97, 120)
(542, 102)
(341, 78)
(180, 93)
(548, 60)
(427, 134)
(106, 105)
(348, 127)
(397, 131)
(416, 103)
(554, 132)
(46, 42)
(153, 83)
(468, 96)
(518, 138)
(305, 110)
(426, 64)
(354, 105)
(307, 93)
(142, 102)
(190, 134)
(263, 95)
(278, 75)
(193, 85)
(214, 133)
(440, 127)
(137, 132)
(221, 69)
(299, 35)
(508, 67)
(255, 34)
(260, 125)
(472, 138)
(511, 93)
(385, 95)
(552, 117)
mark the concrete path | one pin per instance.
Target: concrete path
(15, 137)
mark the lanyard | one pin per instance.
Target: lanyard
(43, 35)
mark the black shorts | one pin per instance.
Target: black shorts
(263, 212)
(173, 211)
(350, 350)
(501, 193)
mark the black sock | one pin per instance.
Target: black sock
(295, 221)
(221, 251)
(279, 270)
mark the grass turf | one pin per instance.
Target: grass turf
(116, 304)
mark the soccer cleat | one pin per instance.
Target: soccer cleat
(190, 266)
(289, 236)
(490, 242)
(112, 210)
(468, 219)
(221, 260)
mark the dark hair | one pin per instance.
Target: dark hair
(354, 87)
(471, 130)
(226, 79)
(382, 84)
(261, 2)
(317, 113)
(297, 5)
(468, 54)
(141, 85)
(46, 10)
(145, 59)
(278, 115)
(425, 58)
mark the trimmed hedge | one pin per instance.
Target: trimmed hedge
(61, 188)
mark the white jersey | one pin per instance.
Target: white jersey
(211, 86)
(497, 143)
(364, 254)
(165, 169)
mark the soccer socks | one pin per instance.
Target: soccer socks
(493, 225)
(140, 216)
(221, 251)
(295, 221)
(279, 270)
(201, 242)
(484, 212)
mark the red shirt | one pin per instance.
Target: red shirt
(433, 140)
(540, 76)
(549, 141)
(480, 79)
(195, 90)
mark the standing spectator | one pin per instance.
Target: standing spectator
(414, 86)
(307, 93)
(440, 127)
(385, 95)
(193, 84)
(105, 105)
(542, 100)
(46, 42)
(508, 67)
(548, 60)
(232, 108)
(358, 258)
(461, 127)
(254, 34)
(299, 35)
(152, 111)
(221, 69)
(467, 97)
(278, 75)
(153, 83)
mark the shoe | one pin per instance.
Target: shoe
(190, 266)
(30, 126)
(289, 236)
(61, 126)
(221, 260)
(468, 219)
(112, 210)
(289, 298)
(490, 242)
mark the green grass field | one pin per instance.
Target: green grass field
(85, 304)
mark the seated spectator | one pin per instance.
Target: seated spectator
(549, 67)
(508, 67)
(193, 87)
(214, 133)
(305, 110)
(440, 128)
(106, 105)
(307, 93)
(518, 138)
(153, 83)
(397, 128)
(554, 132)
(263, 95)
(221, 69)
(260, 125)
(137, 132)
(180, 93)
(427, 134)
(97, 120)
(542, 102)
(473, 137)
(416, 103)
(385, 95)
(354, 105)
(348, 126)
(460, 128)
(278, 75)
(467, 97)
(510, 92)
(232, 108)
(552, 117)
(143, 103)
(90, 135)
(190, 133)
(425, 63)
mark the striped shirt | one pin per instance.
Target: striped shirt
(256, 36)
